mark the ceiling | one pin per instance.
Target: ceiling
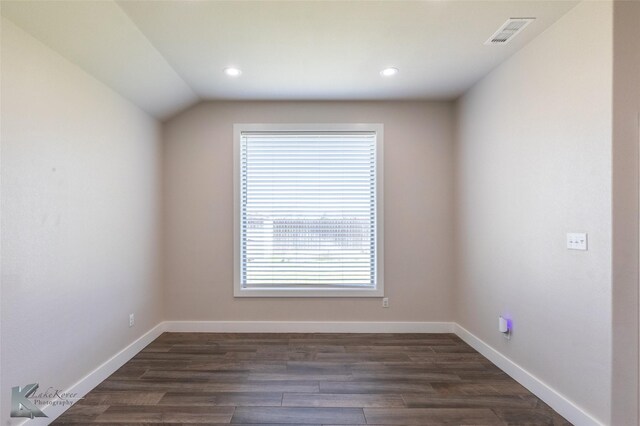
(167, 55)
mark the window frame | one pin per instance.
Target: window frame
(238, 130)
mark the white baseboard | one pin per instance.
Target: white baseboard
(93, 379)
(307, 327)
(554, 399)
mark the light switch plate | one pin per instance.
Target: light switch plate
(577, 241)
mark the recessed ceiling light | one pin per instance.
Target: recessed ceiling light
(388, 72)
(232, 71)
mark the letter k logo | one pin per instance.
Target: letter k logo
(21, 406)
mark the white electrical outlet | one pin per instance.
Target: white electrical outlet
(504, 327)
(577, 241)
(385, 302)
(132, 320)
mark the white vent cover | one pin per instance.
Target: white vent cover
(509, 30)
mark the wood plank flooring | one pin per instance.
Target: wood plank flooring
(310, 379)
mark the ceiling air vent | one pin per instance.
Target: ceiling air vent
(509, 30)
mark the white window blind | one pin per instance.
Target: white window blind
(308, 210)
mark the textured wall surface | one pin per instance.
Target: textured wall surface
(80, 219)
(533, 162)
(198, 208)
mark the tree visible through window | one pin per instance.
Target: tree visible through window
(307, 205)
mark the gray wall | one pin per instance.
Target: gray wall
(626, 115)
(533, 162)
(198, 209)
(80, 222)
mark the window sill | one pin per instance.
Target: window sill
(306, 293)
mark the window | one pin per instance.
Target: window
(308, 214)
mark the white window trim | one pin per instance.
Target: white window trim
(238, 291)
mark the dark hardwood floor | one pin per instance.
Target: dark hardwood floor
(323, 379)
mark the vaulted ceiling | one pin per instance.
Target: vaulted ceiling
(167, 55)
